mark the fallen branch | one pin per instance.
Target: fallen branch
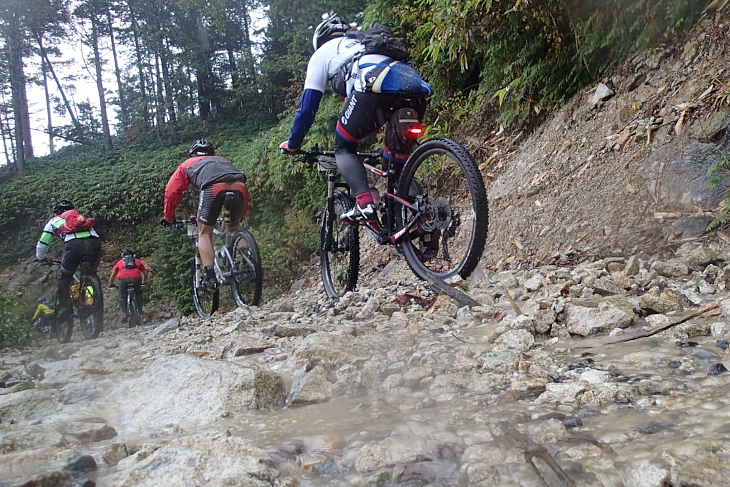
(512, 302)
(666, 327)
(532, 450)
(438, 286)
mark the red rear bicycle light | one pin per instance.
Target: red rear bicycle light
(414, 131)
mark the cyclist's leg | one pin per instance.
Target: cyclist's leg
(91, 249)
(138, 292)
(363, 114)
(208, 209)
(123, 296)
(73, 252)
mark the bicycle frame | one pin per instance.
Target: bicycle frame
(382, 232)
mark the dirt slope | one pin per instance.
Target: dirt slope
(579, 185)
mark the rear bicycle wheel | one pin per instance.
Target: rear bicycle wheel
(91, 307)
(135, 316)
(450, 231)
(62, 327)
(204, 300)
(247, 277)
(339, 251)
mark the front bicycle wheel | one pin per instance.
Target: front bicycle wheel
(339, 251)
(450, 217)
(62, 327)
(91, 307)
(204, 300)
(247, 277)
(135, 317)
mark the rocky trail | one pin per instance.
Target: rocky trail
(393, 385)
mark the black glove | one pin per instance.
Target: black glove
(165, 223)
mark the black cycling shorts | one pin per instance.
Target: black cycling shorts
(81, 250)
(363, 114)
(234, 195)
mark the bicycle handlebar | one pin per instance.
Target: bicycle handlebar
(310, 156)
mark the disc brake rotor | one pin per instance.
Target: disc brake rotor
(438, 214)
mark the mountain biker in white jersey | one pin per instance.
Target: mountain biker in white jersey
(370, 100)
(80, 246)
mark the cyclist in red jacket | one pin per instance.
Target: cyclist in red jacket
(219, 183)
(129, 269)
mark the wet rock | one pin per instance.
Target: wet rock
(722, 344)
(670, 269)
(169, 325)
(603, 286)
(632, 266)
(717, 369)
(82, 463)
(190, 389)
(36, 371)
(645, 474)
(53, 479)
(519, 340)
(370, 456)
(84, 483)
(584, 321)
(657, 304)
(310, 388)
(186, 461)
(86, 433)
(562, 393)
(547, 432)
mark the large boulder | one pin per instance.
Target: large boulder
(185, 389)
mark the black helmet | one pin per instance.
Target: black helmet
(127, 253)
(62, 205)
(201, 147)
(330, 28)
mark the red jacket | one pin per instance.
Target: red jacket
(200, 172)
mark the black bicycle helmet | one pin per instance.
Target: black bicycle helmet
(201, 147)
(330, 28)
(62, 205)
(127, 253)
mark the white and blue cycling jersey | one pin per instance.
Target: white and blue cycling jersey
(368, 73)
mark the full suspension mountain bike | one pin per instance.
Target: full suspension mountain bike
(87, 305)
(237, 263)
(433, 207)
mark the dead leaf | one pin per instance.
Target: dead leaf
(516, 244)
(680, 122)
(199, 354)
(630, 189)
(538, 204)
(688, 47)
(545, 251)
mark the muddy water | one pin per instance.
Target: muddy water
(664, 405)
(671, 408)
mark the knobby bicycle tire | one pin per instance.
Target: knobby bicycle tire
(91, 307)
(133, 311)
(204, 300)
(248, 275)
(63, 327)
(441, 170)
(340, 257)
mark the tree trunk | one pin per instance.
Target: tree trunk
(6, 135)
(159, 97)
(44, 69)
(122, 102)
(16, 75)
(168, 88)
(100, 86)
(202, 70)
(140, 65)
(249, 64)
(71, 113)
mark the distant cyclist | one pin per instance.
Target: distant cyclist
(82, 245)
(368, 106)
(129, 269)
(43, 313)
(218, 182)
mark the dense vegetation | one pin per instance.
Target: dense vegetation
(509, 59)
